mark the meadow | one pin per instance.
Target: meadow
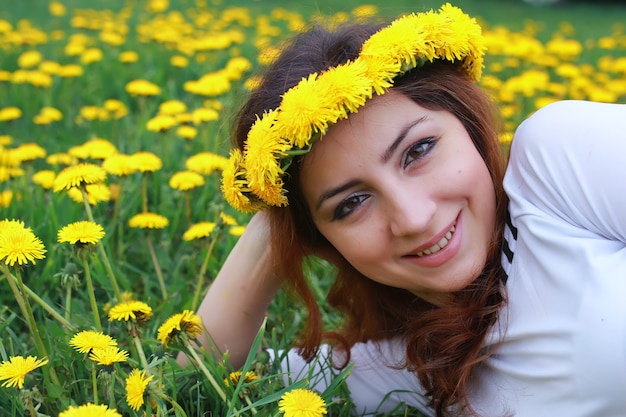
(114, 128)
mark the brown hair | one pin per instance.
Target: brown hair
(443, 343)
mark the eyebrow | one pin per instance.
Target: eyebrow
(394, 145)
(334, 191)
(384, 158)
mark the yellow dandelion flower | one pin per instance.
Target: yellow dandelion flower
(157, 6)
(179, 61)
(88, 340)
(172, 107)
(252, 83)
(51, 113)
(365, 11)
(148, 220)
(48, 115)
(136, 311)
(128, 57)
(57, 9)
(6, 140)
(301, 402)
(119, 164)
(9, 158)
(227, 219)
(263, 170)
(147, 161)
(61, 158)
(209, 85)
(78, 152)
(6, 197)
(29, 152)
(235, 377)
(346, 88)
(234, 185)
(204, 114)
(187, 132)
(111, 37)
(13, 371)
(142, 88)
(96, 193)
(205, 162)
(7, 173)
(236, 230)
(186, 180)
(81, 232)
(70, 70)
(136, 384)
(98, 148)
(268, 55)
(79, 175)
(183, 118)
(125, 296)
(91, 410)
(112, 105)
(108, 356)
(29, 59)
(161, 123)
(10, 113)
(304, 112)
(185, 324)
(199, 231)
(91, 55)
(40, 79)
(45, 178)
(19, 244)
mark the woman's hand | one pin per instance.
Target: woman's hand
(235, 305)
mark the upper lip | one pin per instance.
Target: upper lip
(435, 239)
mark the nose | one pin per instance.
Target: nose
(410, 210)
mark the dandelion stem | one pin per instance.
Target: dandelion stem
(107, 266)
(173, 402)
(68, 301)
(144, 193)
(103, 254)
(252, 408)
(205, 371)
(157, 268)
(120, 225)
(92, 295)
(43, 304)
(188, 207)
(27, 312)
(112, 393)
(200, 278)
(94, 383)
(137, 343)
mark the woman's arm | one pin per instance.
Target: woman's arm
(234, 307)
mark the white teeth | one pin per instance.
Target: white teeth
(439, 245)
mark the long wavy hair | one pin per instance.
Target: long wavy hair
(444, 344)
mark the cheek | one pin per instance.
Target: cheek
(361, 246)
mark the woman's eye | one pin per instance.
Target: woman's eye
(418, 151)
(348, 205)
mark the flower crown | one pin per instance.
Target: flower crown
(252, 180)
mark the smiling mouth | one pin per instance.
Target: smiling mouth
(437, 246)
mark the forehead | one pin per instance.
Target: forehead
(381, 118)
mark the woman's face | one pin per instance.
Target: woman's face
(402, 193)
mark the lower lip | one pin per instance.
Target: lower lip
(443, 255)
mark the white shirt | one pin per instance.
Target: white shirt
(563, 352)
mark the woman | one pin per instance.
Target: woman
(394, 175)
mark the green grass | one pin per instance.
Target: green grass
(180, 261)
